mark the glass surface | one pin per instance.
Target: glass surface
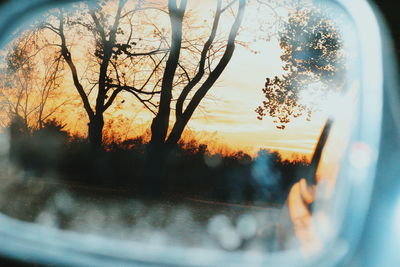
(208, 124)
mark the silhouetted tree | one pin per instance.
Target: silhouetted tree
(112, 56)
(30, 82)
(162, 141)
(161, 122)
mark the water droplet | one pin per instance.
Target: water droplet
(246, 226)
(360, 155)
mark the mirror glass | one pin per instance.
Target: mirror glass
(211, 124)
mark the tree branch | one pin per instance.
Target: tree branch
(160, 123)
(67, 57)
(112, 98)
(132, 89)
(182, 121)
(196, 79)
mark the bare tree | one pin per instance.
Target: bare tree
(27, 89)
(169, 79)
(197, 86)
(161, 122)
(115, 62)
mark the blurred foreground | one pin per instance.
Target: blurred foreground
(173, 220)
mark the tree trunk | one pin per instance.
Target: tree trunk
(95, 131)
(158, 150)
(177, 131)
(160, 123)
(153, 172)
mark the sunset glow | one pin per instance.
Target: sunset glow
(226, 117)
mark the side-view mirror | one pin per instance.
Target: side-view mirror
(198, 133)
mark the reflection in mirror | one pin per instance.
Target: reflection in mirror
(215, 124)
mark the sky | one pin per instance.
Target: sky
(226, 117)
(239, 92)
(229, 110)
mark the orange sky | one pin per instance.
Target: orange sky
(238, 93)
(227, 114)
